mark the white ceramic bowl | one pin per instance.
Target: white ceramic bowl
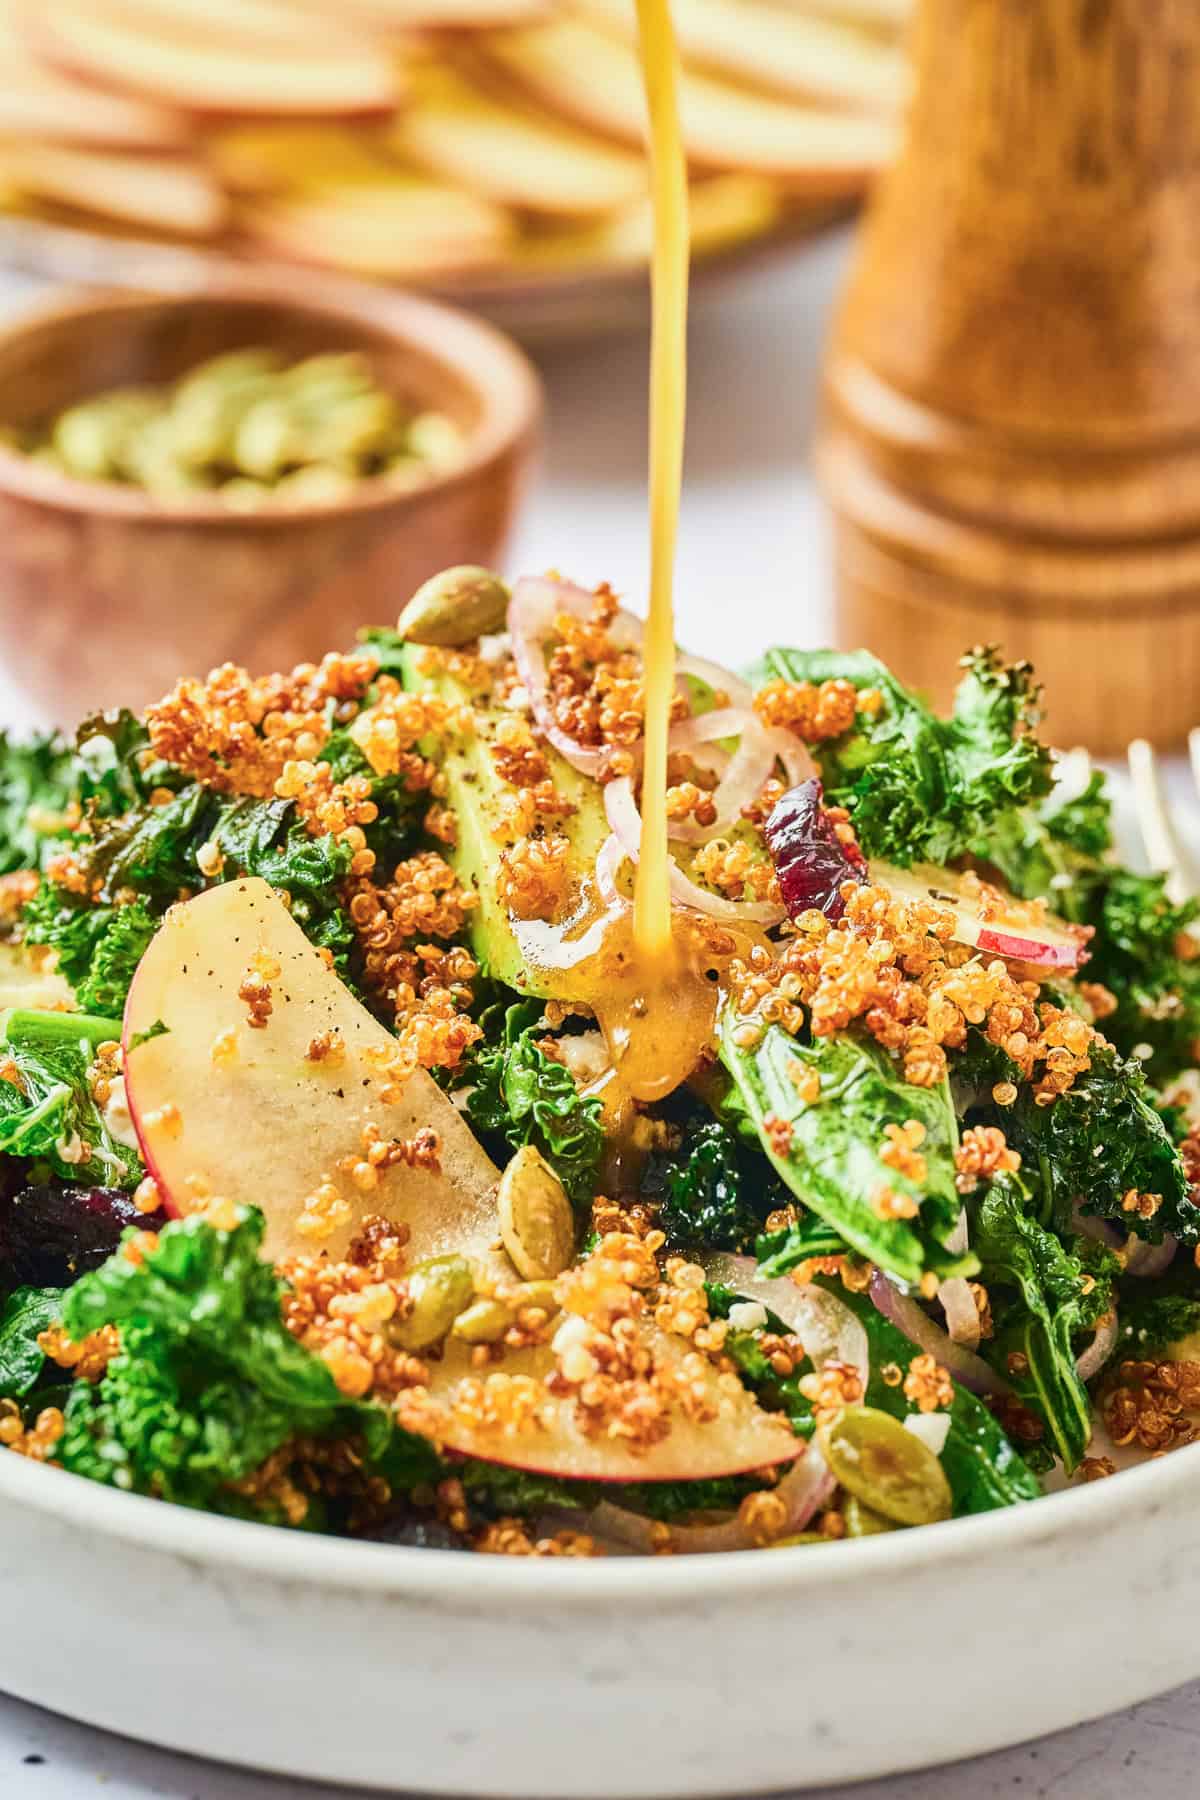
(456, 1674)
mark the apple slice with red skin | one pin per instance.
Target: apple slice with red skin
(739, 1438)
(1044, 944)
(267, 1124)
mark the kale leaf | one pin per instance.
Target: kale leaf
(26, 1313)
(35, 789)
(1135, 954)
(1090, 1146)
(833, 1164)
(48, 1112)
(1150, 1322)
(779, 1252)
(920, 788)
(1054, 850)
(208, 1382)
(520, 1095)
(1142, 949)
(713, 1192)
(151, 850)
(1060, 1291)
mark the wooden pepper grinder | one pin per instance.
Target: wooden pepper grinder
(1011, 434)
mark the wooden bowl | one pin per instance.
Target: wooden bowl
(108, 596)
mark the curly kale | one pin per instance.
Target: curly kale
(1151, 1323)
(1090, 1146)
(48, 1113)
(920, 788)
(713, 1192)
(1135, 954)
(36, 787)
(1045, 1295)
(521, 1096)
(151, 851)
(99, 947)
(208, 1382)
(1060, 851)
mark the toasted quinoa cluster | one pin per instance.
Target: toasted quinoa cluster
(893, 964)
(814, 710)
(235, 732)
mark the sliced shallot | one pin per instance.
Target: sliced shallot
(743, 779)
(1099, 1350)
(824, 1324)
(536, 602)
(804, 1490)
(626, 822)
(919, 1329)
(1148, 1261)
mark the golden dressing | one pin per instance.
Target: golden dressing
(650, 977)
(668, 398)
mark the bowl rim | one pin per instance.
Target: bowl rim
(501, 376)
(272, 1552)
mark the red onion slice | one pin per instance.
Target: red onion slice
(823, 1323)
(962, 1314)
(532, 610)
(626, 823)
(1099, 1350)
(804, 1490)
(1147, 1261)
(743, 780)
(958, 1302)
(919, 1329)
(796, 758)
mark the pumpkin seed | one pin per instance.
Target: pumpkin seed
(888, 1468)
(536, 1221)
(438, 1290)
(304, 433)
(435, 439)
(455, 606)
(483, 1323)
(862, 1520)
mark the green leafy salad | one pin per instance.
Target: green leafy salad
(361, 1174)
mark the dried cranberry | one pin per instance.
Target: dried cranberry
(810, 859)
(51, 1235)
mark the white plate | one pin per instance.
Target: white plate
(457, 1674)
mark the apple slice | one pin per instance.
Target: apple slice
(997, 924)
(247, 1114)
(266, 1125)
(807, 58)
(738, 1438)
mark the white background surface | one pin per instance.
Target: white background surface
(752, 566)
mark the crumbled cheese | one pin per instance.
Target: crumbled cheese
(117, 1119)
(748, 1315)
(932, 1428)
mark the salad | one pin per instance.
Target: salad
(359, 1177)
